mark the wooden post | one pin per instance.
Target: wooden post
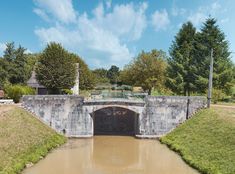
(210, 80)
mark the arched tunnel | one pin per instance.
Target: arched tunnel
(115, 120)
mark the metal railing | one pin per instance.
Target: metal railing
(117, 95)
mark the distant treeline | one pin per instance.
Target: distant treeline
(184, 72)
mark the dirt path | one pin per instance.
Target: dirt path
(223, 106)
(5, 108)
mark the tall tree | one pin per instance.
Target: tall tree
(113, 74)
(181, 69)
(16, 63)
(56, 68)
(211, 37)
(9, 53)
(147, 70)
(101, 75)
(3, 73)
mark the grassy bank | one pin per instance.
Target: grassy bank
(207, 141)
(23, 139)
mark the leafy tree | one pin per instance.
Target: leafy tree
(86, 77)
(16, 63)
(21, 68)
(9, 53)
(56, 68)
(211, 37)
(3, 73)
(101, 75)
(147, 70)
(181, 69)
(113, 74)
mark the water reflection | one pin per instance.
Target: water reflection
(111, 155)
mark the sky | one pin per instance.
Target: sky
(108, 32)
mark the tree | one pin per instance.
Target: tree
(17, 64)
(56, 68)
(101, 75)
(181, 69)
(9, 53)
(211, 37)
(86, 77)
(3, 73)
(21, 67)
(113, 74)
(147, 70)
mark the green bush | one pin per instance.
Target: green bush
(217, 95)
(67, 91)
(17, 91)
(163, 91)
(233, 92)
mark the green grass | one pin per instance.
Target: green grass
(23, 139)
(206, 141)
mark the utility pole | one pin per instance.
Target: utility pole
(210, 80)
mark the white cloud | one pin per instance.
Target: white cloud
(197, 18)
(215, 6)
(203, 13)
(42, 14)
(225, 20)
(160, 20)
(128, 20)
(108, 4)
(62, 10)
(2, 48)
(175, 11)
(102, 37)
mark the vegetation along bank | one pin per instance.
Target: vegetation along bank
(206, 141)
(23, 139)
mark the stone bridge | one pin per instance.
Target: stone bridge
(73, 116)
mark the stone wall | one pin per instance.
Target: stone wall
(62, 113)
(70, 115)
(164, 113)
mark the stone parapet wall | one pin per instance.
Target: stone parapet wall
(164, 113)
(64, 113)
(71, 115)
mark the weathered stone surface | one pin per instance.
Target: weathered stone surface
(64, 113)
(164, 113)
(72, 116)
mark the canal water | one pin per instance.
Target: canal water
(111, 155)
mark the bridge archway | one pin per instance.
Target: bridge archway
(115, 120)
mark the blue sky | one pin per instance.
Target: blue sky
(107, 32)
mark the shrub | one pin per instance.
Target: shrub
(233, 92)
(217, 95)
(17, 91)
(67, 91)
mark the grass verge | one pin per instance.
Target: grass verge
(206, 141)
(23, 139)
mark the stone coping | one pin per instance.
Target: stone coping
(6, 101)
(114, 102)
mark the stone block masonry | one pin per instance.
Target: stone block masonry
(72, 116)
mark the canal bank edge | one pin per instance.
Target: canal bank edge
(25, 140)
(206, 142)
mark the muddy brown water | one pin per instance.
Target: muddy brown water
(111, 155)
